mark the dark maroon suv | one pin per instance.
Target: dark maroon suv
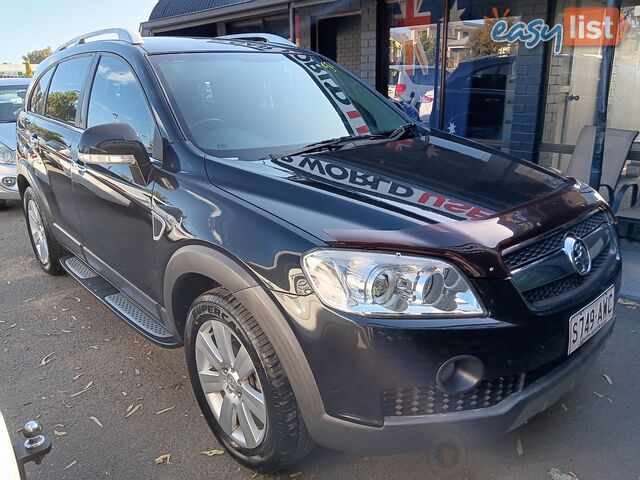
(335, 273)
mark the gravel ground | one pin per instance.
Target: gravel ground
(592, 433)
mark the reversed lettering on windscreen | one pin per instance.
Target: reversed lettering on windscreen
(375, 184)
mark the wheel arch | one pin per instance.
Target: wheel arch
(193, 270)
(196, 268)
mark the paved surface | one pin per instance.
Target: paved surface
(595, 435)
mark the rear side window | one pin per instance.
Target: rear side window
(40, 92)
(66, 85)
(117, 97)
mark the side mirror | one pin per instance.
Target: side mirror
(115, 144)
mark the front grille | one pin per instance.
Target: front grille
(429, 400)
(545, 246)
(566, 284)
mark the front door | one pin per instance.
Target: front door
(114, 206)
(53, 133)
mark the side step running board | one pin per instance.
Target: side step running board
(119, 303)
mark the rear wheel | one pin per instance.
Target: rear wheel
(241, 386)
(46, 248)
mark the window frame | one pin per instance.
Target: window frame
(89, 90)
(76, 123)
(29, 105)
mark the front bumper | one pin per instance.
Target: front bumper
(401, 434)
(8, 185)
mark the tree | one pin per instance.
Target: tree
(482, 45)
(37, 56)
(28, 71)
(429, 46)
(480, 42)
(62, 105)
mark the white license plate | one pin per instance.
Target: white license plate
(584, 324)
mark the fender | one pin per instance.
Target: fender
(23, 169)
(224, 271)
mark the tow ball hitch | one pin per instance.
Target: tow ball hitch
(34, 447)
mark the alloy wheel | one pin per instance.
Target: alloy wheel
(36, 228)
(230, 384)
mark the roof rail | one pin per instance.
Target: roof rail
(258, 37)
(123, 34)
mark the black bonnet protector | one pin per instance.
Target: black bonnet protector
(477, 201)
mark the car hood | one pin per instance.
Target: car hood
(8, 134)
(424, 194)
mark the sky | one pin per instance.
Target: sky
(35, 24)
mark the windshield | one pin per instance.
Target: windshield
(248, 105)
(11, 101)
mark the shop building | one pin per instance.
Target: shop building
(523, 76)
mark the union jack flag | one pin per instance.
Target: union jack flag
(408, 13)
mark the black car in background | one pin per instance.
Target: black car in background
(336, 274)
(476, 98)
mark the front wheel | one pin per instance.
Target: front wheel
(46, 248)
(241, 386)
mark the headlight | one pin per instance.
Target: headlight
(7, 156)
(382, 284)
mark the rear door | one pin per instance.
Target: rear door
(51, 130)
(114, 207)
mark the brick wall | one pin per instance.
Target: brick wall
(528, 90)
(348, 43)
(356, 36)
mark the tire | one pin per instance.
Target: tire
(39, 230)
(214, 318)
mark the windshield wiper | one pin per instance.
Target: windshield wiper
(401, 131)
(339, 142)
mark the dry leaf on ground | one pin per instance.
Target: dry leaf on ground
(133, 410)
(295, 475)
(59, 433)
(519, 447)
(71, 464)
(598, 394)
(46, 360)
(87, 387)
(556, 474)
(607, 378)
(211, 453)
(97, 422)
(166, 410)
(166, 458)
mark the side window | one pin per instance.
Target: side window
(39, 92)
(64, 92)
(116, 96)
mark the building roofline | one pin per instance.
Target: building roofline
(223, 13)
(206, 16)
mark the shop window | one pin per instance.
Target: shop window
(414, 52)
(275, 25)
(479, 86)
(572, 92)
(625, 83)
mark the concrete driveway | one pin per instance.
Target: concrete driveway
(96, 366)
